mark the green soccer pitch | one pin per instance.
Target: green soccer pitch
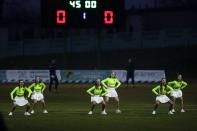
(68, 111)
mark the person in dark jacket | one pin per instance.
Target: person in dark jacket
(130, 71)
(53, 76)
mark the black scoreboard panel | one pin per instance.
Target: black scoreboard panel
(83, 13)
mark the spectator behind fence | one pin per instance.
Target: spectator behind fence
(130, 72)
(53, 76)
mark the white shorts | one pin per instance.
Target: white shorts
(38, 96)
(98, 99)
(176, 93)
(112, 92)
(162, 99)
(20, 101)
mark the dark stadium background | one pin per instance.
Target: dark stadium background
(157, 34)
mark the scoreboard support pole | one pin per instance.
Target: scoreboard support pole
(98, 48)
(66, 53)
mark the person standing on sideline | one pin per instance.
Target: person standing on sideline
(53, 76)
(130, 72)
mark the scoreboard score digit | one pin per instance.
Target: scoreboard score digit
(83, 13)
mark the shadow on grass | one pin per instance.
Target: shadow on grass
(2, 124)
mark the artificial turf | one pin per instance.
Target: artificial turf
(69, 107)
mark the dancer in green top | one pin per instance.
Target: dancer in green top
(18, 97)
(178, 85)
(112, 83)
(161, 92)
(97, 92)
(38, 88)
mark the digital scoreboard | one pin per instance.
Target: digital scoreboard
(83, 13)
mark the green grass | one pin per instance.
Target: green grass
(68, 111)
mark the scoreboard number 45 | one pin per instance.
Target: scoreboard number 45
(88, 4)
